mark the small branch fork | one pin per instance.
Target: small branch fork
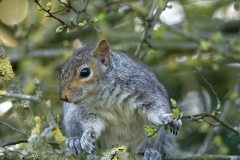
(201, 116)
(217, 110)
(149, 25)
(67, 7)
(14, 129)
(49, 13)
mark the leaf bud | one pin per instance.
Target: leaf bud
(59, 29)
(49, 5)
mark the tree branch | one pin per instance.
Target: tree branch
(19, 96)
(197, 117)
(21, 107)
(14, 129)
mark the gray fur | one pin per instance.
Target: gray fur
(124, 99)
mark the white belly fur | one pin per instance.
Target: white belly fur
(121, 129)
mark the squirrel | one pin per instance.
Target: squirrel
(109, 99)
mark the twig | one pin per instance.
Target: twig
(59, 11)
(80, 11)
(14, 129)
(96, 29)
(36, 97)
(149, 26)
(211, 124)
(145, 52)
(35, 140)
(20, 96)
(203, 115)
(49, 13)
(218, 101)
(68, 7)
(52, 123)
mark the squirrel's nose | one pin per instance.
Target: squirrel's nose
(65, 97)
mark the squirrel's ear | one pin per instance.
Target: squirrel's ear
(77, 44)
(102, 51)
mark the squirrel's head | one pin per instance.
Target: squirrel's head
(80, 75)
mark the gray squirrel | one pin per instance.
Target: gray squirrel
(109, 99)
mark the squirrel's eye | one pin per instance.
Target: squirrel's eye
(85, 72)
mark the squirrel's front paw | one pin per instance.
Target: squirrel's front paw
(150, 154)
(165, 119)
(175, 126)
(168, 119)
(74, 145)
(88, 141)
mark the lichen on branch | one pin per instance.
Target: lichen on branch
(6, 69)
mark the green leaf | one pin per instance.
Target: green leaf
(102, 17)
(141, 30)
(44, 118)
(151, 51)
(159, 32)
(217, 140)
(218, 37)
(58, 118)
(176, 114)
(150, 131)
(96, 20)
(81, 24)
(174, 103)
(205, 45)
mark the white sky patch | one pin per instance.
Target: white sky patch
(227, 13)
(205, 3)
(174, 15)
(5, 106)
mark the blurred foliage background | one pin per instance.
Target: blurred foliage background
(192, 40)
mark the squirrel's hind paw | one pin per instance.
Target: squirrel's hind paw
(74, 145)
(150, 154)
